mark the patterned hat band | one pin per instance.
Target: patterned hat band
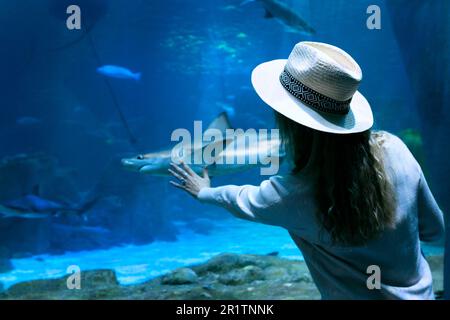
(313, 98)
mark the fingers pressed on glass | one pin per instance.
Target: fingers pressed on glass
(177, 185)
(187, 168)
(179, 170)
(176, 175)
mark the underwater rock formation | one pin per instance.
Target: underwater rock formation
(247, 274)
(226, 276)
(96, 284)
(123, 213)
(19, 175)
(180, 276)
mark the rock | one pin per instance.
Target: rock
(96, 278)
(245, 275)
(241, 277)
(95, 284)
(180, 276)
(191, 294)
(226, 262)
(20, 173)
(276, 273)
(305, 277)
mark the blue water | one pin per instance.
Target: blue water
(135, 264)
(64, 128)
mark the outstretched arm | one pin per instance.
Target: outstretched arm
(255, 203)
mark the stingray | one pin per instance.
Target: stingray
(34, 206)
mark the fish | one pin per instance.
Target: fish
(119, 72)
(158, 163)
(33, 206)
(93, 11)
(228, 8)
(280, 11)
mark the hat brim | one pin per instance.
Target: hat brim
(266, 82)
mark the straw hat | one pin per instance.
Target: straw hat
(316, 87)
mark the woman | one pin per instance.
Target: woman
(356, 203)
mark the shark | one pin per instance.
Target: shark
(280, 11)
(33, 206)
(267, 150)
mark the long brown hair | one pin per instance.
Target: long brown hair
(355, 199)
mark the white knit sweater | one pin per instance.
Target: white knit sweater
(341, 272)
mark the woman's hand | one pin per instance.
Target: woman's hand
(190, 182)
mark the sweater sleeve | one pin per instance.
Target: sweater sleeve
(431, 220)
(261, 203)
